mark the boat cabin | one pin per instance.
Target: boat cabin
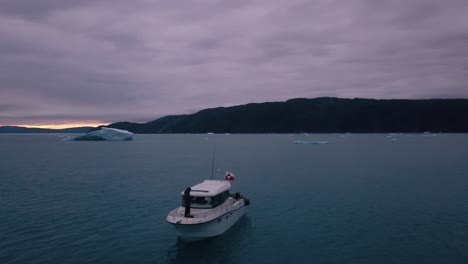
(208, 194)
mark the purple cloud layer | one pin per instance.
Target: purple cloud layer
(138, 60)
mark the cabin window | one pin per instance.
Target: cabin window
(198, 202)
(207, 202)
(219, 199)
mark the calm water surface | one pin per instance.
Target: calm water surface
(358, 199)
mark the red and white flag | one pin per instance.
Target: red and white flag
(229, 176)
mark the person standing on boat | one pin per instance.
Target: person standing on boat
(187, 202)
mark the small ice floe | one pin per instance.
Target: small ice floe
(310, 142)
(106, 134)
(392, 137)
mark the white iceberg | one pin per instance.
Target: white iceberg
(106, 134)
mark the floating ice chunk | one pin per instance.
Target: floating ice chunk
(106, 134)
(310, 142)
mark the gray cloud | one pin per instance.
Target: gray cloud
(137, 60)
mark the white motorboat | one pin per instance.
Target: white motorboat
(208, 209)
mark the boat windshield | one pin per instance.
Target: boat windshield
(207, 202)
(198, 202)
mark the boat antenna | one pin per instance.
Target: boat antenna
(212, 165)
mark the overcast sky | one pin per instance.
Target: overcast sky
(92, 60)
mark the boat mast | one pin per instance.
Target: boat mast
(212, 165)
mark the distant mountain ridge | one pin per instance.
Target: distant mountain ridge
(17, 129)
(319, 115)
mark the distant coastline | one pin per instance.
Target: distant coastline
(301, 115)
(32, 130)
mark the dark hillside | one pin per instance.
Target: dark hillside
(320, 115)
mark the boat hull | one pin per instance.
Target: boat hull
(215, 227)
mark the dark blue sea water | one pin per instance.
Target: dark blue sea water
(358, 199)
